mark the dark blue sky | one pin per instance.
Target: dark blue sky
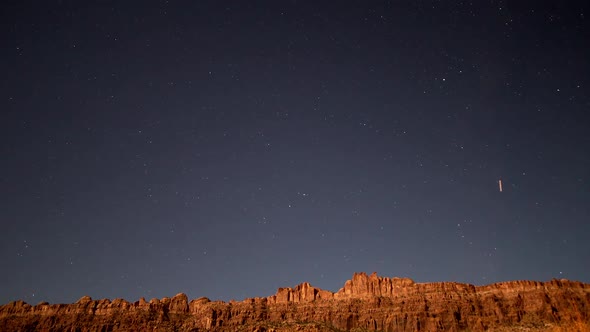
(225, 149)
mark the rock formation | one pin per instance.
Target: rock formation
(365, 303)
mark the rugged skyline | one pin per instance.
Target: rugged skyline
(224, 149)
(365, 302)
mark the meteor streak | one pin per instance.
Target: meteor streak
(500, 185)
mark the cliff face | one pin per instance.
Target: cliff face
(367, 302)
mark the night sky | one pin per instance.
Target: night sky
(225, 149)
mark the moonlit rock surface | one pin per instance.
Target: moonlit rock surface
(366, 302)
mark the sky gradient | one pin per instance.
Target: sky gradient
(225, 149)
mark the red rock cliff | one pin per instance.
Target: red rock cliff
(367, 302)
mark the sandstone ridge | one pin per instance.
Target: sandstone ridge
(365, 303)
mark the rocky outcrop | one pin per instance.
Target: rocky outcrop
(363, 286)
(365, 303)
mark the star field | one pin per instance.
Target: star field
(225, 149)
